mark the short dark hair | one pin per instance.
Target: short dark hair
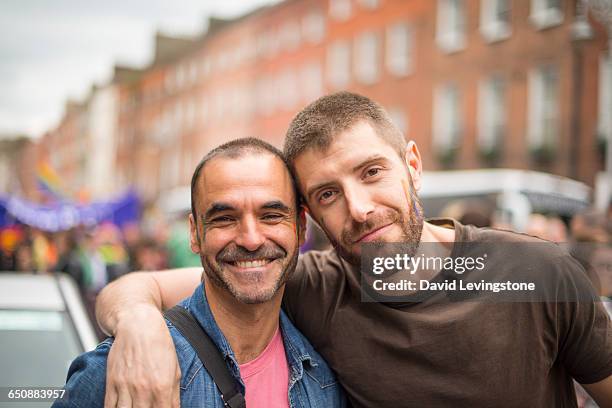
(235, 149)
(317, 124)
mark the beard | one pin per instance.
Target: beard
(410, 222)
(213, 268)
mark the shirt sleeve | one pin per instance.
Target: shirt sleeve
(585, 340)
(86, 380)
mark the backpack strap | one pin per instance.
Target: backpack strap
(208, 353)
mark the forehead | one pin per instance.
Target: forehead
(257, 177)
(347, 150)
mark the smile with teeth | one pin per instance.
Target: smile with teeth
(256, 263)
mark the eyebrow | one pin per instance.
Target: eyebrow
(276, 205)
(370, 160)
(216, 208)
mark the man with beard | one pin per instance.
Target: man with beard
(358, 180)
(246, 226)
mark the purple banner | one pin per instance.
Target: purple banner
(66, 215)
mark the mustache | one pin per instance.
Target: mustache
(356, 230)
(234, 253)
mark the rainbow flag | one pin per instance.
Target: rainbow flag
(49, 181)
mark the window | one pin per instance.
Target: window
(190, 113)
(177, 124)
(193, 72)
(491, 113)
(398, 117)
(290, 36)
(311, 81)
(340, 10)
(287, 89)
(205, 66)
(495, 19)
(205, 109)
(447, 124)
(546, 13)
(313, 27)
(450, 29)
(369, 4)
(339, 64)
(169, 83)
(266, 90)
(267, 44)
(543, 114)
(180, 76)
(367, 57)
(604, 125)
(400, 49)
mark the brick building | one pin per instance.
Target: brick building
(477, 83)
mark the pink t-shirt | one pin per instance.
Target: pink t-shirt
(267, 377)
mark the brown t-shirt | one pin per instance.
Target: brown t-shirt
(442, 353)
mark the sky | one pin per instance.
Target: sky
(52, 51)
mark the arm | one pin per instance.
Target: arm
(601, 392)
(142, 365)
(159, 290)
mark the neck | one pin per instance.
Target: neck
(247, 327)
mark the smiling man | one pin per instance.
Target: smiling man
(246, 226)
(359, 180)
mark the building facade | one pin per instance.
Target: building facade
(476, 83)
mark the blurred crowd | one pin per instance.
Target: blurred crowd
(95, 256)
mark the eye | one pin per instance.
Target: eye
(326, 196)
(372, 171)
(272, 217)
(222, 219)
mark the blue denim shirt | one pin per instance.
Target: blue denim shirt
(311, 382)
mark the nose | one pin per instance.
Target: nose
(358, 203)
(250, 236)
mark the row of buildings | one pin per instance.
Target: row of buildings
(477, 83)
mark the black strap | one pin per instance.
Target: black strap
(209, 354)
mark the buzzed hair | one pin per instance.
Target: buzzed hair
(317, 124)
(233, 150)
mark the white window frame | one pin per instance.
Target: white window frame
(399, 117)
(311, 81)
(369, 4)
(543, 124)
(447, 118)
(290, 36)
(543, 16)
(491, 27)
(399, 50)
(314, 27)
(339, 64)
(604, 120)
(367, 57)
(340, 10)
(451, 25)
(492, 112)
(288, 91)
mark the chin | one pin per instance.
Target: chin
(253, 297)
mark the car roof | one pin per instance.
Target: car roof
(487, 181)
(26, 291)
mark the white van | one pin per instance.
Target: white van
(514, 194)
